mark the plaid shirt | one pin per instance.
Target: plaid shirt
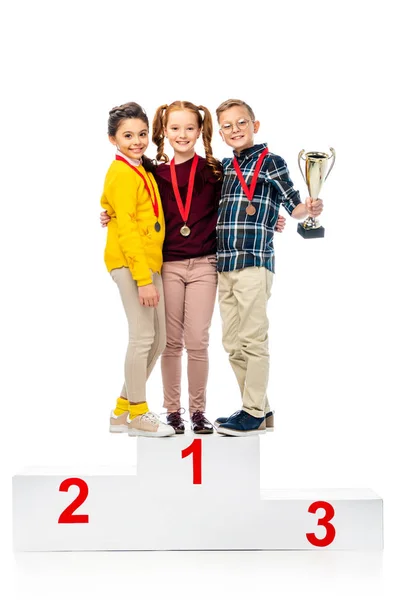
(247, 240)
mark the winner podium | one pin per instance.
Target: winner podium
(187, 493)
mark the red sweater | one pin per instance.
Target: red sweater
(202, 218)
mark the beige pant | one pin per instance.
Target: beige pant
(146, 334)
(243, 296)
(190, 288)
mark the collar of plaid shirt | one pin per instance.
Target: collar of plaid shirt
(250, 152)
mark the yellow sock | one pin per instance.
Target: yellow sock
(122, 406)
(138, 409)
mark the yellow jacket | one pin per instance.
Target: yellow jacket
(132, 240)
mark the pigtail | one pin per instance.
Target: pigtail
(207, 137)
(158, 133)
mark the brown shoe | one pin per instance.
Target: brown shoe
(175, 420)
(200, 424)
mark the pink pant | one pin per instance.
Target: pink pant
(189, 291)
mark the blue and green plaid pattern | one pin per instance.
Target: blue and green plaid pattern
(248, 240)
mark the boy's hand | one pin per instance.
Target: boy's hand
(148, 295)
(104, 218)
(280, 224)
(314, 207)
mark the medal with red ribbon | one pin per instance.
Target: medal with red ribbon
(250, 209)
(153, 197)
(184, 210)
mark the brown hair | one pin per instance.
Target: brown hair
(129, 110)
(232, 102)
(204, 122)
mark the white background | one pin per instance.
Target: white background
(317, 74)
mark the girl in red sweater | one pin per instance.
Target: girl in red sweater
(190, 191)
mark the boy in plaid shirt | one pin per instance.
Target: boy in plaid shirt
(256, 182)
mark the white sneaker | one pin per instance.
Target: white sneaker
(148, 425)
(119, 424)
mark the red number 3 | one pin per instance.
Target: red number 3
(67, 516)
(325, 522)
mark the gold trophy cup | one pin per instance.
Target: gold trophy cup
(316, 166)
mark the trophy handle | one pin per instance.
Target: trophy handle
(298, 160)
(333, 155)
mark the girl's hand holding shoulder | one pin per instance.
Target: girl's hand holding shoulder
(148, 295)
(104, 218)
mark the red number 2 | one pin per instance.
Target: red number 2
(67, 516)
(325, 522)
(195, 449)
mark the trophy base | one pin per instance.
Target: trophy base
(309, 234)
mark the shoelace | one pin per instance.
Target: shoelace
(198, 418)
(151, 417)
(242, 417)
(235, 414)
(174, 419)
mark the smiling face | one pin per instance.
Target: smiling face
(237, 128)
(131, 138)
(182, 131)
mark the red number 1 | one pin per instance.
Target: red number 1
(195, 449)
(325, 522)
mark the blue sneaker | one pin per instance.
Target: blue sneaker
(269, 420)
(242, 424)
(223, 420)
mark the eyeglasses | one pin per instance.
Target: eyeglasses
(241, 124)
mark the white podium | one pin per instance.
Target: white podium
(188, 493)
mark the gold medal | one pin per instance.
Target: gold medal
(184, 210)
(251, 210)
(185, 230)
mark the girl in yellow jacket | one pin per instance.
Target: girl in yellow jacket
(133, 256)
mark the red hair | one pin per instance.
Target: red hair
(204, 122)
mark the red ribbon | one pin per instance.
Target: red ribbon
(184, 210)
(250, 192)
(153, 197)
